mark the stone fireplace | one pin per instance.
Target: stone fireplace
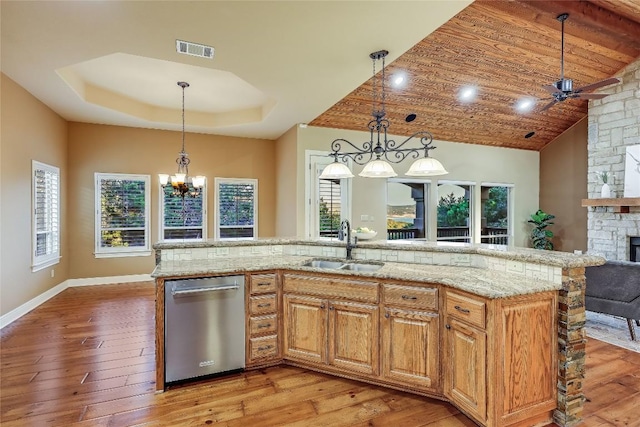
(614, 124)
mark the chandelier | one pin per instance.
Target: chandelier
(376, 153)
(180, 181)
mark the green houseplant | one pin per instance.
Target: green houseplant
(540, 236)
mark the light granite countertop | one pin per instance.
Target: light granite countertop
(551, 258)
(487, 283)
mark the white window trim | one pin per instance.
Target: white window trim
(43, 261)
(510, 208)
(310, 191)
(203, 194)
(252, 181)
(100, 252)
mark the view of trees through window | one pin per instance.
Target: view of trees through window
(122, 212)
(495, 214)
(329, 207)
(236, 208)
(454, 222)
(183, 217)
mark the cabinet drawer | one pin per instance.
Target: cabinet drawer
(468, 309)
(263, 325)
(263, 283)
(410, 296)
(263, 347)
(262, 304)
(332, 287)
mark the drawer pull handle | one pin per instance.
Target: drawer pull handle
(264, 325)
(463, 310)
(263, 305)
(264, 284)
(266, 347)
(409, 297)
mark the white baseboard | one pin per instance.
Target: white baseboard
(20, 311)
(111, 280)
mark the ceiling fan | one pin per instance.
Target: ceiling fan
(563, 88)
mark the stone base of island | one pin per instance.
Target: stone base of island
(496, 331)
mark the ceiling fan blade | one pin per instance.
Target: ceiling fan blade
(592, 86)
(546, 107)
(589, 95)
(551, 89)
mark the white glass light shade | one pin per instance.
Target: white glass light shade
(378, 169)
(197, 181)
(427, 166)
(178, 178)
(164, 179)
(336, 170)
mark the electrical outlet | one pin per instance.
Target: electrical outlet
(53, 272)
(364, 217)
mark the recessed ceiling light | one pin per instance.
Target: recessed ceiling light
(530, 134)
(410, 117)
(467, 93)
(524, 105)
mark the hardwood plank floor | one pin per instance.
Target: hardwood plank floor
(86, 358)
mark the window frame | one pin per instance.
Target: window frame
(510, 211)
(472, 211)
(121, 251)
(162, 227)
(39, 262)
(241, 181)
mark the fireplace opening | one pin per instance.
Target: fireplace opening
(634, 249)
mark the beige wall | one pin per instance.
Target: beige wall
(30, 131)
(465, 162)
(114, 149)
(563, 184)
(287, 184)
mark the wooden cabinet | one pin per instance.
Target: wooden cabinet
(410, 336)
(340, 333)
(263, 320)
(500, 357)
(465, 372)
(411, 348)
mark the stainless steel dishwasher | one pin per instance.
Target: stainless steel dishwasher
(204, 327)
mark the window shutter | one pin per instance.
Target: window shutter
(46, 215)
(329, 193)
(183, 218)
(236, 209)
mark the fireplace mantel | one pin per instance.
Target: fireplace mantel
(621, 204)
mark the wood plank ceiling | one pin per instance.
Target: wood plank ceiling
(509, 50)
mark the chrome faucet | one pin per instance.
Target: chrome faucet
(346, 224)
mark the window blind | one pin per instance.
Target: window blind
(183, 218)
(46, 214)
(236, 210)
(329, 206)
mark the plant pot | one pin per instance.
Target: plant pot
(605, 191)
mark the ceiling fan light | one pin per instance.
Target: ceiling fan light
(378, 169)
(336, 170)
(426, 166)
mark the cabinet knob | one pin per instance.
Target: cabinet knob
(386, 315)
(330, 307)
(447, 326)
(322, 306)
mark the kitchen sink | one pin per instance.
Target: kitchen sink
(361, 267)
(333, 265)
(339, 265)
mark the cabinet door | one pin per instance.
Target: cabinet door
(305, 328)
(465, 375)
(354, 337)
(411, 348)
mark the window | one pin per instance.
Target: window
(454, 213)
(122, 215)
(182, 218)
(407, 209)
(236, 208)
(46, 215)
(496, 206)
(328, 199)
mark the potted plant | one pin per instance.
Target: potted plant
(540, 236)
(605, 191)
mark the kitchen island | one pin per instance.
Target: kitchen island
(497, 331)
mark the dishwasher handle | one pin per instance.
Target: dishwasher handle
(202, 289)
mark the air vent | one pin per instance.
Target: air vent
(194, 49)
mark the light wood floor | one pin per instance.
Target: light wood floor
(86, 358)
